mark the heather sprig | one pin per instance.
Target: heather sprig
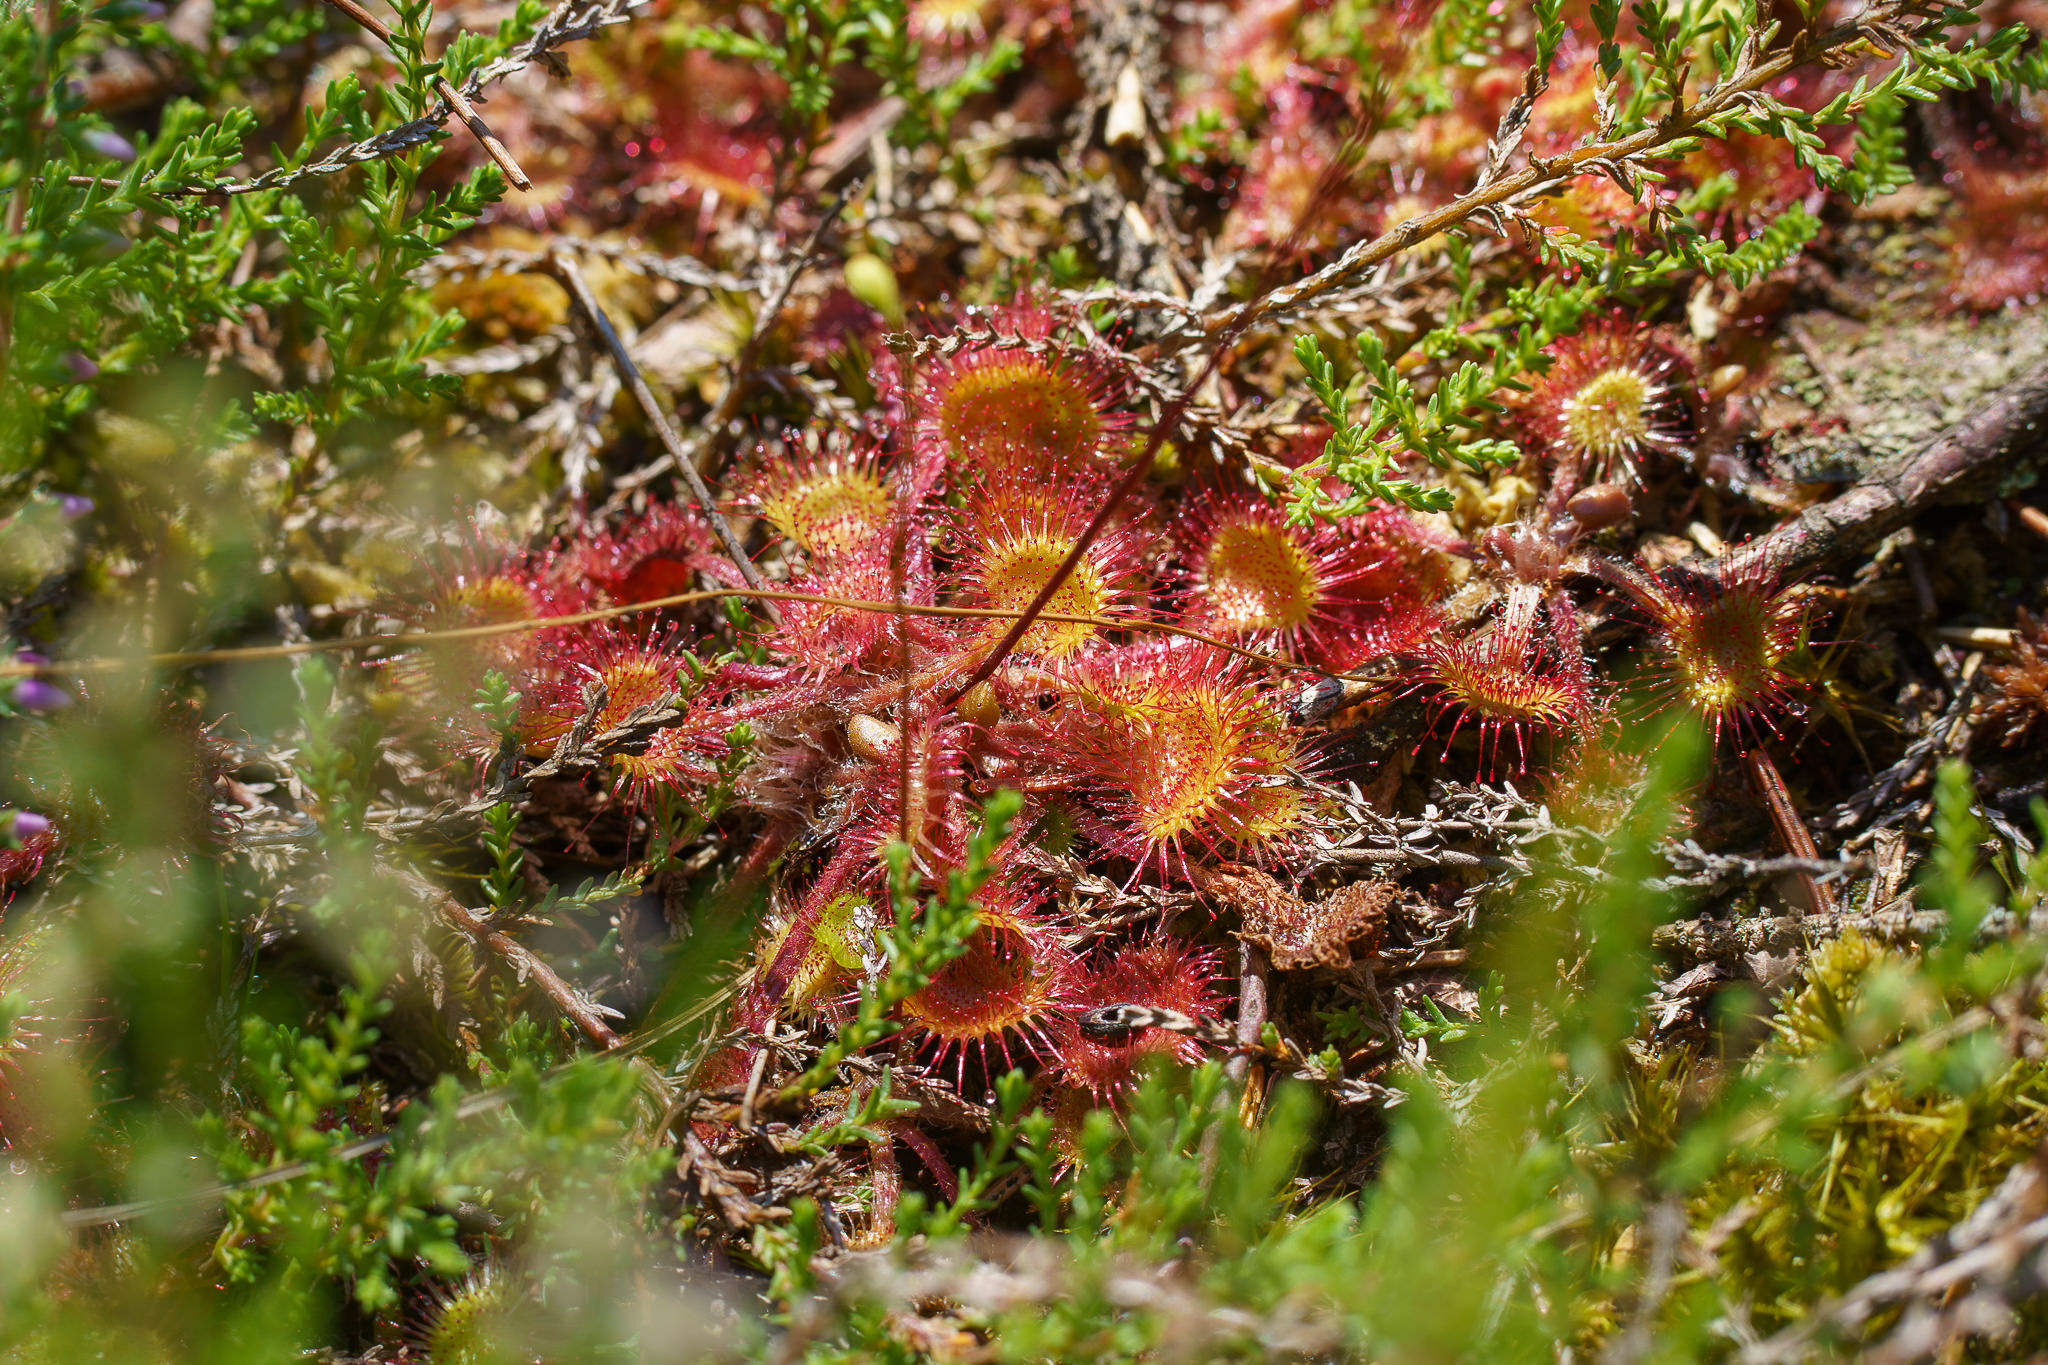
(811, 39)
(923, 939)
(1364, 448)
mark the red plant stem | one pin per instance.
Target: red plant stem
(1770, 785)
(803, 928)
(899, 570)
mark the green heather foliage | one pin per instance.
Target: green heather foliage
(1537, 1186)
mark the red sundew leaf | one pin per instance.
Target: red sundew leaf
(1006, 989)
(835, 501)
(1161, 971)
(1724, 636)
(1177, 748)
(1524, 673)
(1025, 407)
(1013, 534)
(654, 555)
(1614, 393)
(1335, 597)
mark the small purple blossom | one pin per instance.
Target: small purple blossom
(74, 506)
(39, 694)
(81, 366)
(108, 144)
(26, 824)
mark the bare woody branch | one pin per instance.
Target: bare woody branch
(1967, 463)
(565, 269)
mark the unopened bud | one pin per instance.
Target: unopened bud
(1523, 552)
(38, 694)
(872, 739)
(978, 704)
(1600, 505)
(24, 824)
(870, 279)
(1725, 380)
(108, 144)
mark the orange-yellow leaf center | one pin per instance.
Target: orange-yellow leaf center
(1260, 578)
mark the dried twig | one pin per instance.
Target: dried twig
(1966, 463)
(455, 99)
(1887, 784)
(529, 966)
(461, 262)
(720, 419)
(1736, 940)
(1251, 1007)
(565, 269)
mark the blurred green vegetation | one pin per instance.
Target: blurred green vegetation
(261, 1102)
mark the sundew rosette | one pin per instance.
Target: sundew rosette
(1023, 401)
(1179, 752)
(1013, 534)
(1332, 596)
(1614, 394)
(1520, 676)
(1724, 635)
(833, 499)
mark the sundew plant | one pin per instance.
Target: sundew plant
(1004, 680)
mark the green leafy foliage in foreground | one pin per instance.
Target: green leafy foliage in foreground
(280, 1098)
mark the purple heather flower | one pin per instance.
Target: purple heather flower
(82, 366)
(39, 694)
(26, 824)
(109, 144)
(74, 506)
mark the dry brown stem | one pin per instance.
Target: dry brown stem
(1967, 463)
(574, 1005)
(457, 101)
(566, 271)
(1785, 818)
